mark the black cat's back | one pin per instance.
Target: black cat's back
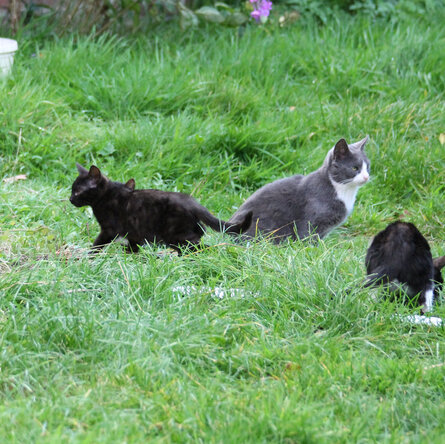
(162, 216)
(400, 256)
(403, 254)
(175, 208)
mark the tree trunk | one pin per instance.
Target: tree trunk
(14, 14)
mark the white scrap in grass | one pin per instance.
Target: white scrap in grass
(219, 292)
(418, 319)
(15, 178)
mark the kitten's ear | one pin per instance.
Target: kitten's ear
(341, 149)
(82, 171)
(131, 184)
(360, 144)
(95, 173)
(439, 262)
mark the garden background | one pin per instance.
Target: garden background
(141, 348)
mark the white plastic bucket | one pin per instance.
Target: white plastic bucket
(7, 49)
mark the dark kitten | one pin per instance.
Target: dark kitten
(142, 216)
(301, 206)
(399, 257)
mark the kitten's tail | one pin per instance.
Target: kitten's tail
(439, 262)
(222, 226)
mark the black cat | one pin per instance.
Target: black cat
(399, 257)
(141, 216)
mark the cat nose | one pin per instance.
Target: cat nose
(365, 177)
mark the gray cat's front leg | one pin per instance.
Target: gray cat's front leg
(308, 232)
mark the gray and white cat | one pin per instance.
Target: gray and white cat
(301, 206)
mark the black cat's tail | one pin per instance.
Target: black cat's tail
(439, 263)
(219, 225)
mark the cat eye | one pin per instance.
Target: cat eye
(354, 169)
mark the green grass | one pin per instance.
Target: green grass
(104, 350)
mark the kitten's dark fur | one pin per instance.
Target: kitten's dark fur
(142, 216)
(300, 206)
(400, 257)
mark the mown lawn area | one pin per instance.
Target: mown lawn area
(120, 348)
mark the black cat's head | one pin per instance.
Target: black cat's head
(348, 164)
(88, 186)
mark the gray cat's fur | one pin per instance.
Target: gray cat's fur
(301, 206)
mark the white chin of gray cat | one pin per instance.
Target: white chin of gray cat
(346, 192)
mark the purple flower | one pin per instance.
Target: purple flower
(261, 10)
(256, 15)
(265, 8)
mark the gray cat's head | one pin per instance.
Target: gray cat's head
(348, 164)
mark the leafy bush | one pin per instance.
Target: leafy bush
(60, 17)
(375, 8)
(122, 16)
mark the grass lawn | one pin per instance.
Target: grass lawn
(110, 349)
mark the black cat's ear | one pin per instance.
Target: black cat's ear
(439, 262)
(95, 173)
(82, 171)
(131, 184)
(341, 149)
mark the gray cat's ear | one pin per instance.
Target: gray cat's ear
(439, 262)
(131, 184)
(341, 149)
(95, 173)
(82, 171)
(360, 144)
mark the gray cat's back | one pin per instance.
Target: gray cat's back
(274, 200)
(286, 187)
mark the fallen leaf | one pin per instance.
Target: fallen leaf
(15, 178)
(291, 366)
(434, 366)
(442, 138)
